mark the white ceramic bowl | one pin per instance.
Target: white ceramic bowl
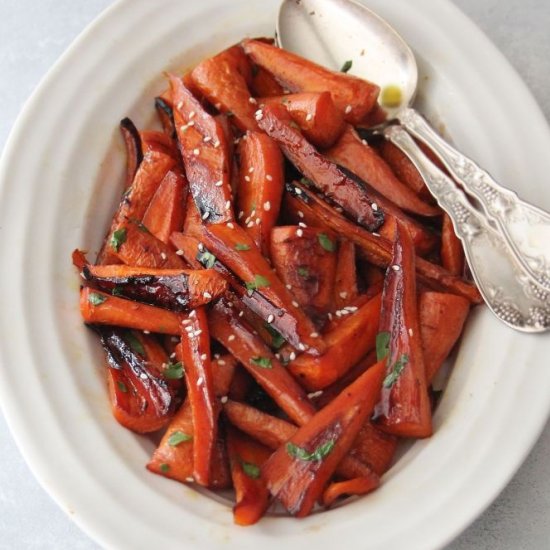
(60, 178)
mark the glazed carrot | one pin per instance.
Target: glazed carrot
(153, 141)
(375, 448)
(442, 318)
(164, 214)
(353, 338)
(374, 117)
(297, 472)
(353, 96)
(220, 81)
(205, 155)
(345, 281)
(404, 407)
(132, 244)
(261, 186)
(236, 250)
(316, 115)
(325, 175)
(301, 204)
(98, 308)
(195, 347)
(166, 116)
(264, 83)
(132, 142)
(305, 259)
(361, 159)
(238, 338)
(356, 486)
(251, 495)
(452, 253)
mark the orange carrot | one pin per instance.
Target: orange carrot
(345, 282)
(134, 156)
(264, 83)
(452, 253)
(356, 486)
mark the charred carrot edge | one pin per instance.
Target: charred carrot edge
(166, 116)
(195, 347)
(375, 248)
(296, 474)
(350, 487)
(452, 253)
(251, 495)
(99, 308)
(154, 141)
(134, 156)
(404, 407)
(264, 84)
(345, 281)
(374, 448)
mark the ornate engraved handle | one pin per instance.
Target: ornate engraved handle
(507, 289)
(524, 227)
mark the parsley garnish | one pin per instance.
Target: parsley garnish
(133, 341)
(122, 386)
(173, 371)
(117, 291)
(302, 454)
(382, 345)
(241, 246)
(276, 339)
(96, 299)
(251, 470)
(326, 243)
(118, 238)
(263, 362)
(164, 467)
(178, 437)
(207, 259)
(397, 369)
(306, 181)
(303, 272)
(259, 282)
(346, 66)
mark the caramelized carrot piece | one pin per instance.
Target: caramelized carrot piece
(165, 212)
(220, 81)
(361, 159)
(305, 259)
(205, 155)
(251, 495)
(442, 318)
(166, 116)
(356, 486)
(264, 83)
(319, 119)
(353, 96)
(352, 339)
(238, 338)
(297, 472)
(452, 253)
(375, 448)
(345, 282)
(374, 117)
(153, 141)
(134, 156)
(325, 175)
(98, 308)
(404, 407)
(261, 186)
(304, 205)
(236, 250)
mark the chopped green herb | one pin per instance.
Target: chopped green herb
(259, 282)
(118, 238)
(173, 371)
(303, 272)
(122, 386)
(117, 291)
(251, 470)
(142, 227)
(346, 66)
(164, 467)
(397, 369)
(326, 243)
(276, 339)
(207, 259)
(302, 454)
(241, 246)
(96, 299)
(178, 437)
(264, 362)
(133, 341)
(306, 181)
(382, 345)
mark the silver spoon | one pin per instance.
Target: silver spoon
(326, 31)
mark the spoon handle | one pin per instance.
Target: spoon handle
(524, 227)
(507, 290)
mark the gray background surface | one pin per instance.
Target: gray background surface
(33, 34)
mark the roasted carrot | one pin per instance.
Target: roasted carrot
(154, 141)
(442, 318)
(356, 486)
(315, 113)
(345, 281)
(261, 186)
(205, 155)
(134, 155)
(264, 84)
(374, 448)
(404, 407)
(166, 116)
(452, 253)
(251, 495)
(353, 96)
(297, 472)
(305, 260)
(164, 214)
(374, 117)
(361, 159)
(353, 338)
(98, 308)
(301, 204)
(238, 338)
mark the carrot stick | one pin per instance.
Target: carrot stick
(353, 96)
(166, 116)
(134, 156)
(345, 281)
(153, 141)
(452, 253)
(356, 486)
(375, 448)
(264, 83)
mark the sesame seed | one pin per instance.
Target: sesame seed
(329, 315)
(374, 206)
(191, 123)
(217, 356)
(196, 152)
(206, 139)
(252, 100)
(228, 205)
(241, 313)
(188, 329)
(292, 356)
(278, 356)
(219, 183)
(289, 287)
(163, 255)
(250, 224)
(197, 332)
(230, 338)
(300, 214)
(200, 246)
(258, 221)
(205, 215)
(364, 142)
(351, 309)
(193, 313)
(395, 267)
(143, 376)
(295, 303)
(230, 225)
(252, 212)
(247, 178)
(192, 114)
(180, 105)
(297, 190)
(173, 355)
(82, 274)
(146, 332)
(259, 114)
(204, 357)
(338, 209)
(301, 347)
(411, 332)
(190, 479)
(224, 399)
(315, 394)
(207, 295)
(236, 141)
(343, 295)
(179, 252)
(376, 234)
(271, 318)
(251, 169)
(338, 313)
(200, 381)
(186, 321)
(267, 206)
(269, 177)
(241, 214)
(299, 232)
(216, 143)
(314, 335)
(302, 224)
(344, 312)
(218, 106)
(183, 128)
(348, 109)
(221, 362)
(175, 339)
(309, 117)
